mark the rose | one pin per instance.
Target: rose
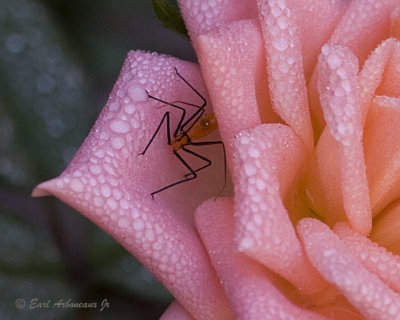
(326, 151)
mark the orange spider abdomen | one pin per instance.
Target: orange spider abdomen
(203, 127)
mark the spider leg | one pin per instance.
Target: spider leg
(182, 102)
(187, 82)
(194, 117)
(174, 106)
(198, 156)
(164, 118)
(180, 126)
(192, 172)
(208, 143)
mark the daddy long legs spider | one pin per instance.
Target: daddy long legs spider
(195, 127)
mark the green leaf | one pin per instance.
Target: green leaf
(169, 14)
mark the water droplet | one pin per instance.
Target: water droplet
(77, 185)
(119, 126)
(138, 225)
(105, 191)
(130, 109)
(95, 169)
(137, 93)
(246, 243)
(280, 44)
(117, 143)
(254, 153)
(249, 169)
(334, 61)
(123, 222)
(114, 107)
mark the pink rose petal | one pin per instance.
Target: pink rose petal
(246, 282)
(395, 23)
(176, 312)
(386, 230)
(376, 259)
(340, 309)
(363, 26)
(232, 63)
(335, 262)
(110, 183)
(390, 85)
(324, 183)
(372, 73)
(205, 15)
(382, 151)
(323, 186)
(285, 68)
(341, 105)
(267, 162)
(316, 20)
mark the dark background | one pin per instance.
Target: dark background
(58, 62)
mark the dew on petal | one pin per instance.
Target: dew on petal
(334, 61)
(77, 185)
(123, 222)
(280, 44)
(117, 143)
(138, 225)
(130, 109)
(137, 94)
(119, 126)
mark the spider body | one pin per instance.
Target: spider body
(203, 127)
(195, 127)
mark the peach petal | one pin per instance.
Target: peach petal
(376, 259)
(386, 230)
(341, 105)
(266, 162)
(323, 186)
(382, 151)
(372, 73)
(176, 312)
(317, 116)
(340, 309)
(203, 16)
(232, 60)
(390, 83)
(246, 282)
(285, 68)
(339, 266)
(395, 23)
(370, 78)
(323, 182)
(363, 26)
(111, 184)
(316, 20)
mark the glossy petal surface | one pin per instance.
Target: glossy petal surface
(338, 265)
(247, 283)
(111, 184)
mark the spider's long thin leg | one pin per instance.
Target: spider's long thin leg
(199, 113)
(207, 143)
(187, 82)
(178, 127)
(194, 117)
(192, 172)
(182, 102)
(208, 161)
(164, 118)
